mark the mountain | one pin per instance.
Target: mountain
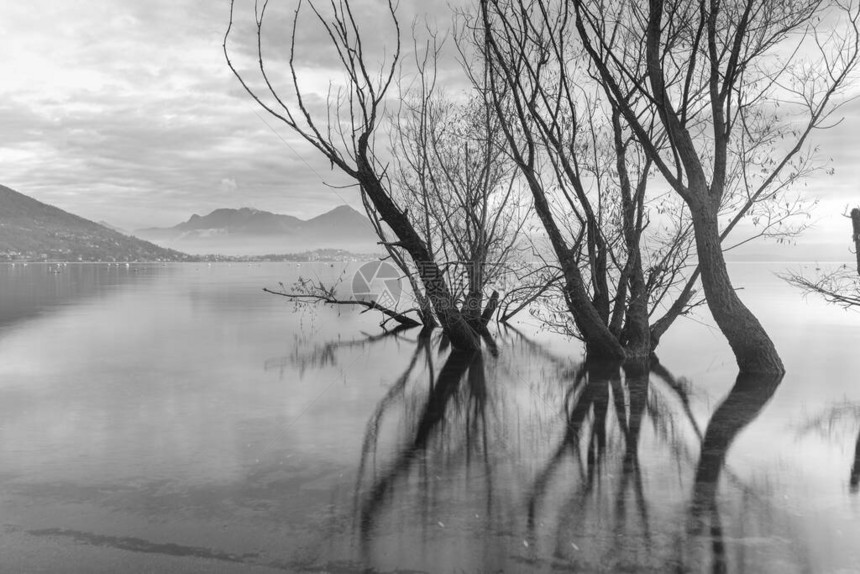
(249, 231)
(244, 221)
(36, 231)
(345, 220)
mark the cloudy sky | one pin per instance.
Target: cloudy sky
(126, 112)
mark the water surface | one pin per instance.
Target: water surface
(176, 418)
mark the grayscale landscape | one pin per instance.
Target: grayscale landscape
(248, 231)
(359, 286)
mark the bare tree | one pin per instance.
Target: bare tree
(345, 133)
(735, 85)
(451, 168)
(588, 177)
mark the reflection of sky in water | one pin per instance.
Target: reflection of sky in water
(182, 405)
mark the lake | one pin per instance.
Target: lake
(175, 418)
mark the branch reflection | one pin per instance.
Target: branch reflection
(833, 423)
(431, 422)
(540, 463)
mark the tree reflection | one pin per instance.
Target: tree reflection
(738, 409)
(854, 477)
(320, 355)
(598, 496)
(433, 416)
(829, 422)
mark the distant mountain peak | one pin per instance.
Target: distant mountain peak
(342, 212)
(344, 208)
(242, 210)
(341, 227)
(231, 217)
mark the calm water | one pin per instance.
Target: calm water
(177, 419)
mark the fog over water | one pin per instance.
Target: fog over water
(176, 418)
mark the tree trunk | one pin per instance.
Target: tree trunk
(491, 307)
(471, 308)
(458, 330)
(637, 334)
(855, 224)
(753, 349)
(425, 311)
(600, 343)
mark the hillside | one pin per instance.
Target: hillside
(249, 231)
(35, 231)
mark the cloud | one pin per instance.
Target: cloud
(229, 184)
(126, 111)
(129, 114)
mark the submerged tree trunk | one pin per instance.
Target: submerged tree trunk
(855, 224)
(753, 348)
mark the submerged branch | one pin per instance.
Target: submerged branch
(834, 287)
(329, 299)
